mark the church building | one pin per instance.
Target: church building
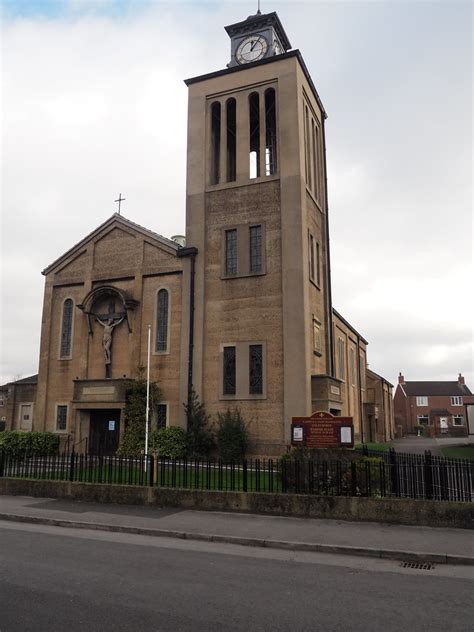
(241, 308)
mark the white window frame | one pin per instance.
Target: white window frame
(420, 417)
(456, 400)
(461, 417)
(56, 417)
(422, 400)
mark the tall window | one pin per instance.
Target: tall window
(255, 370)
(341, 356)
(162, 303)
(312, 263)
(309, 179)
(229, 371)
(254, 121)
(316, 336)
(362, 371)
(231, 139)
(66, 328)
(215, 141)
(231, 252)
(255, 248)
(352, 365)
(318, 265)
(270, 133)
(61, 418)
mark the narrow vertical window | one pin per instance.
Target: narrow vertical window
(254, 118)
(352, 366)
(162, 321)
(161, 416)
(231, 252)
(311, 257)
(255, 370)
(341, 358)
(315, 159)
(215, 141)
(255, 249)
(318, 265)
(308, 149)
(231, 139)
(229, 371)
(61, 418)
(362, 371)
(66, 328)
(270, 133)
(316, 336)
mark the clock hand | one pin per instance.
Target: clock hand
(253, 45)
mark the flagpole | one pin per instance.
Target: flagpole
(147, 413)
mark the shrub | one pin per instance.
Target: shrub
(199, 439)
(32, 443)
(232, 435)
(133, 440)
(169, 442)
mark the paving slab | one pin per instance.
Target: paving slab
(377, 539)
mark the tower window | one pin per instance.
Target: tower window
(255, 248)
(61, 418)
(229, 371)
(215, 141)
(162, 321)
(341, 357)
(255, 370)
(66, 328)
(254, 118)
(161, 415)
(314, 131)
(231, 252)
(270, 133)
(231, 139)
(308, 148)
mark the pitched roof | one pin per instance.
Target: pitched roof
(31, 379)
(435, 388)
(114, 219)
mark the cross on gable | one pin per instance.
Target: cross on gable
(120, 200)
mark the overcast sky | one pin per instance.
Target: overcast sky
(94, 104)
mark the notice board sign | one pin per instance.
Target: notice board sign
(322, 430)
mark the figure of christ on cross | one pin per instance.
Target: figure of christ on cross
(109, 322)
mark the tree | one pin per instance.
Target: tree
(232, 435)
(199, 438)
(133, 439)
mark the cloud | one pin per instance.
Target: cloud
(94, 104)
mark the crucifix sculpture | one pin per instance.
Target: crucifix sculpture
(109, 321)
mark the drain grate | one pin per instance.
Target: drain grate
(419, 566)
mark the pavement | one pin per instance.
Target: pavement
(428, 544)
(417, 445)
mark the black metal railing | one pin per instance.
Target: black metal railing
(370, 474)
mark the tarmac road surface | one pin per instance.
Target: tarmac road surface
(66, 580)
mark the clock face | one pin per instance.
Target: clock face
(251, 48)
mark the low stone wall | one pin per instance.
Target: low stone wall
(389, 510)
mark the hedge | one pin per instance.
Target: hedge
(34, 443)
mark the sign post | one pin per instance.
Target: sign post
(147, 412)
(322, 430)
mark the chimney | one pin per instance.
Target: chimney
(401, 379)
(461, 380)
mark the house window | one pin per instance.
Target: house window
(255, 249)
(341, 357)
(255, 369)
(231, 252)
(423, 420)
(229, 371)
(61, 418)
(66, 328)
(456, 400)
(458, 420)
(422, 400)
(317, 348)
(162, 304)
(161, 415)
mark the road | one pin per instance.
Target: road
(66, 580)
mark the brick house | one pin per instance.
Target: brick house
(440, 406)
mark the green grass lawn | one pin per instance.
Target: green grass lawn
(379, 447)
(460, 452)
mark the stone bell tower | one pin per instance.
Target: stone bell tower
(257, 213)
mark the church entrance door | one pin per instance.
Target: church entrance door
(104, 432)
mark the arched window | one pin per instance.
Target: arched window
(215, 141)
(162, 303)
(270, 133)
(254, 131)
(66, 329)
(231, 121)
